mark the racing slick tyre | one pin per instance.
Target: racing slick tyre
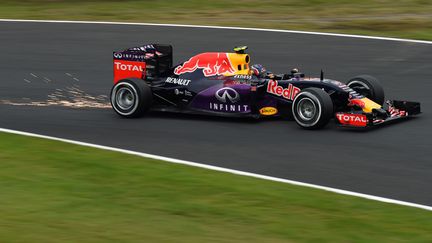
(312, 108)
(368, 86)
(131, 97)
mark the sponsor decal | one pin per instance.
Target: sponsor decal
(288, 93)
(240, 76)
(128, 69)
(182, 92)
(365, 104)
(211, 63)
(187, 93)
(268, 111)
(228, 107)
(236, 82)
(227, 94)
(178, 81)
(123, 66)
(125, 56)
(357, 120)
(357, 102)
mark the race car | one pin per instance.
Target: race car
(223, 84)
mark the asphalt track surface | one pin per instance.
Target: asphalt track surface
(393, 161)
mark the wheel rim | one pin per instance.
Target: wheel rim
(306, 109)
(360, 87)
(312, 115)
(125, 98)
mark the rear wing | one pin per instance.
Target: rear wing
(147, 62)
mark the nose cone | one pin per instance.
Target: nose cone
(367, 105)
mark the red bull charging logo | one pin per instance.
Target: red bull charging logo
(211, 63)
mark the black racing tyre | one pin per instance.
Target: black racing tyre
(312, 108)
(131, 97)
(368, 86)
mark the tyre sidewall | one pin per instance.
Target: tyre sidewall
(375, 87)
(323, 104)
(142, 97)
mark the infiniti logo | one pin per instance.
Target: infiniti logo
(227, 93)
(117, 55)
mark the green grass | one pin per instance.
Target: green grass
(57, 192)
(395, 18)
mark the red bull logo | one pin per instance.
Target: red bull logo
(211, 63)
(366, 104)
(357, 102)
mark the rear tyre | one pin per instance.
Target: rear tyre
(131, 98)
(312, 108)
(369, 87)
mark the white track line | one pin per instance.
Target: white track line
(221, 169)
(220, 27)
(210, 167)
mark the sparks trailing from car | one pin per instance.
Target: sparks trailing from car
(224, 84)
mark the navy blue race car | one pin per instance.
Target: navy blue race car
(225, 84)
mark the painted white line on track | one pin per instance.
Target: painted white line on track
(221, 169)
(220, 27)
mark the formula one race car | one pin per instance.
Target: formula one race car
(223, 84)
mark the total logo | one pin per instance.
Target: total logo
(178, 81)
(352, 119)
(127, 67)
(288, 93)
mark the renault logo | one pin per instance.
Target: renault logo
(227, 93)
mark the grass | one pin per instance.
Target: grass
(57, 192)
(401, 18)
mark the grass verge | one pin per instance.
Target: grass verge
(55, 192)
(402, 18)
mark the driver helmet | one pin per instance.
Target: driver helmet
(258, 70)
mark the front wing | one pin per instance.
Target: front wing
(393, 110)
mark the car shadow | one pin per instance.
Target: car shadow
(277, 119)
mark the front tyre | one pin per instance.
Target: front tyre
(131, 98)
(312, 108)
(369, 87)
